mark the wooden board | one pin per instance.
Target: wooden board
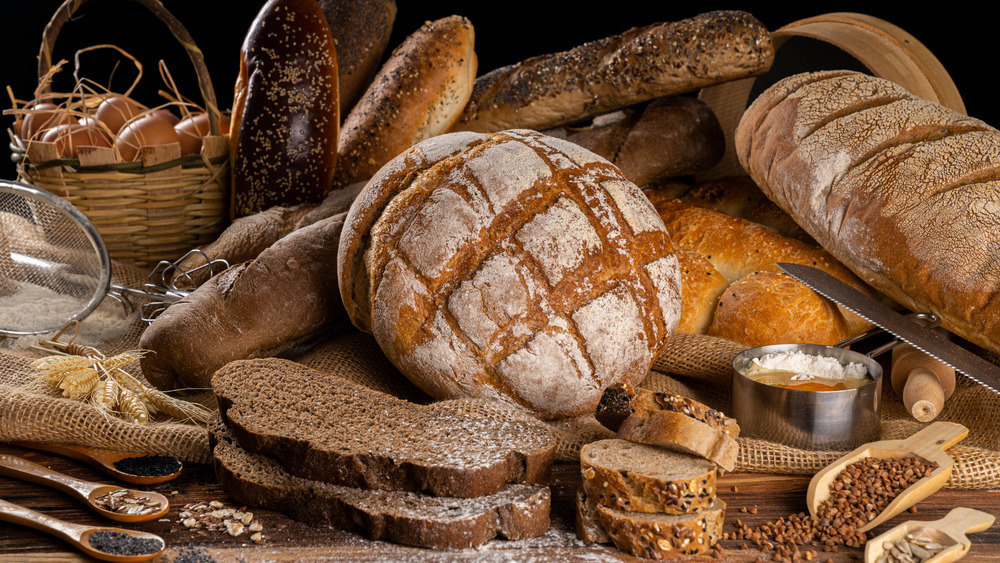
(765, 498)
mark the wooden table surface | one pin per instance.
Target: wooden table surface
(773, 496)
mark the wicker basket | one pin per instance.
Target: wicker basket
(149, 210)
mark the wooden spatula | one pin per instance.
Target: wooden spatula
(928, 444)
(949, 532)
(102, 459)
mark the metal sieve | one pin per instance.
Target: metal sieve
(55, 267)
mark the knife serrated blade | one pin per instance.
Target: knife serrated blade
(928, 341)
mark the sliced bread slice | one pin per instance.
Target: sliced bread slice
(671, 421)
(650, 535)
(517, 511)
(631, 476)
(325, 428)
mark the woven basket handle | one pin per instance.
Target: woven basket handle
(69, 8)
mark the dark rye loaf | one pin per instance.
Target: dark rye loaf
(516, 512)
(329, 429)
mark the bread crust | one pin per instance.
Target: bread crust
(418, 93)
(328, 429)
(899, 189)
(286, 116)
(247, 311)
(515, 512)
(640, 64)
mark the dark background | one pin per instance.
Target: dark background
(963, 39)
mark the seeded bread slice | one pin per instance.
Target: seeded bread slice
(642, 478)
(325, 428)
(670, 421)
(515, 512)
(650, 535)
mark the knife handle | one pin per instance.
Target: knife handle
(922, 382)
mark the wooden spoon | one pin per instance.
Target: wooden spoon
(949, 532)
(102, 459)
(87, 491)
(928, 444)
(77, 534)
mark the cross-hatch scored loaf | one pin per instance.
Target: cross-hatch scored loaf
(325, 428)
(901, 190)
(513, 266)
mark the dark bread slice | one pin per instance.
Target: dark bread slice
(650, 535)
(670, 421)
(638, 477)
(516, 512)
(325, 428)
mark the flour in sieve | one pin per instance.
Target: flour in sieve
(31, 305)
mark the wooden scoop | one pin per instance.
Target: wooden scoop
(949, 532)
(922, 382)
(928, 444)
(77, 534)
(102, 459)
(86, 491)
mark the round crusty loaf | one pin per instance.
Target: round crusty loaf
(418, 93)
(901, 190)
(286, 115)
(765, 308)
(642, 478)
(510, 265)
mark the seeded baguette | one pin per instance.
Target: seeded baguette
(650, 535)
(641, 478)
(328, 429)
(640, 64)
(515, 512)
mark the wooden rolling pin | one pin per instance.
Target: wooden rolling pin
(924, 383)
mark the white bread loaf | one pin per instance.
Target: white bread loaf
(640, 64)
(418, 93)
(510, 265)
(901, 190)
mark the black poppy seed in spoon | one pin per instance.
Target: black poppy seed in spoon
(120, 543)
(148, 465)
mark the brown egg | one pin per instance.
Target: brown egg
(192, 128)
(166, 114)
(48, 116)
(143, 131)
(68, 137)
(116, 111)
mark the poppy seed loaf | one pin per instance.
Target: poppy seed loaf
(513, 266)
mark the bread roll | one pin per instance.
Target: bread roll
(361, 30)
(901, 190)
(513, 266)
(765, 308)
(417, 94)
(701, 286)
(282, 299)
(285, 111)
(668, 137)
(662, 59)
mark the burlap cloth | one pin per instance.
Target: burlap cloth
(695, 366)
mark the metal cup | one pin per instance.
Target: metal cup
(808, 420)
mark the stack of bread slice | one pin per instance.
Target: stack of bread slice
(651, 490)
(328, 451)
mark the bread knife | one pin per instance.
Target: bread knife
(924, 339)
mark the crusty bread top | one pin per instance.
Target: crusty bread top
(900, 189)
(510, 265)
(640, 64)
(328, 429)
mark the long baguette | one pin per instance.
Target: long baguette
(640, 64)
(901, 190)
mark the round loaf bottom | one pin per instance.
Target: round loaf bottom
(642, 478)
(650, 535)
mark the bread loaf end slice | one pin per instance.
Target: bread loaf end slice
(650, 535)
(643, 478)
(516, 512)
(326, 428)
